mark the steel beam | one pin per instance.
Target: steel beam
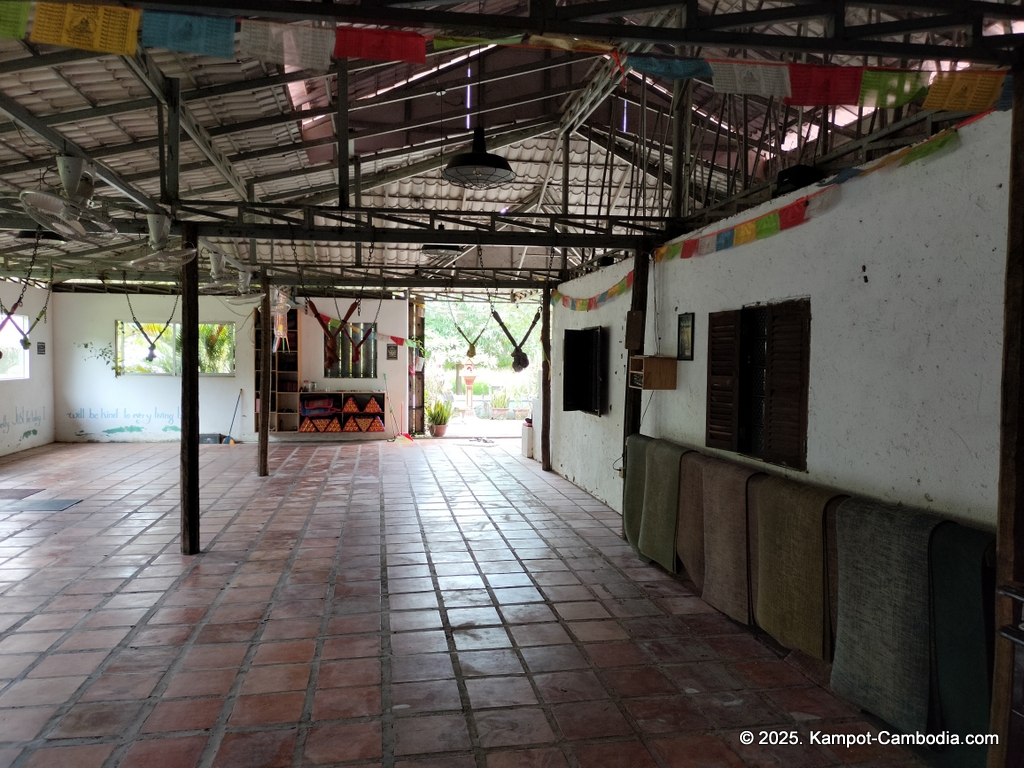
(29, 122)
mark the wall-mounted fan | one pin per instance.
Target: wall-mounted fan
(161, 257)
(70, 215)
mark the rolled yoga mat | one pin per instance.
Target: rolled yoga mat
(963, 623)
(882, 654)
(726, 571)
(792, 582)
(753, 549)
(690, 525)
(633, 487)
(657, 538)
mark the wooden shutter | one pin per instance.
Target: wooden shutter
(723, 411)
(787, 369)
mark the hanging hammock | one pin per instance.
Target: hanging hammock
(519, 359)
(471, 352)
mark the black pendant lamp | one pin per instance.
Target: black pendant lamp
(478, 168)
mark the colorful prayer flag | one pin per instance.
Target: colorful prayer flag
(886, 88)
(689, 248)
(1005, 101)
(755, 79)
(967, 91)
(793, 214)
(767, 225)
(206, 35)
(946, 139)
(13, 20)
(87, 27)
(823, 201)
(669, 68)
(745, 233)
(707, 244)
(813, 85)
(448, 42)
(723, 241)
(303, 47)
(568, 44)
(380, 45)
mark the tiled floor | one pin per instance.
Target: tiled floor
(438, 604)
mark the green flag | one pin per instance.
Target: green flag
(888, 89)
(13, 20)
(939, 143)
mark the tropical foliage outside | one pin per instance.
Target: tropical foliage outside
(216, 349)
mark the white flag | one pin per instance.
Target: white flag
(303, 47)
(755, 79)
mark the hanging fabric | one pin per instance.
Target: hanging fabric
(9, 313)
(331, 357)
(152, 342)
(471, 352)
(519, 358)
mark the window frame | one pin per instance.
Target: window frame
(787, 374)
(173, 330)
(367, 353)
(19, 329)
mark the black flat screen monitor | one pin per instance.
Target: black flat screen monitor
(583, 364)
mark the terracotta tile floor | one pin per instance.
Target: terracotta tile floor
(438, 604)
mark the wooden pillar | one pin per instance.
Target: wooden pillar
(638, 303)
(545, 382)
(266, 337)
(1010, 508)
(190, 397)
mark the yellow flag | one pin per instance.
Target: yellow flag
(745, 232)
(88, 27)
(967, 91)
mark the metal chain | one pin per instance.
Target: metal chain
(152, 342)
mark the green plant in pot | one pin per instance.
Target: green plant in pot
(439, 413)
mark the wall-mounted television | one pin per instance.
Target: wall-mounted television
(584, 361)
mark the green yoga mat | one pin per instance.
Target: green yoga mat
(633, 487)
(657, 538)
(690, 522)
(792, 583)
(963, 639)
(882, 654)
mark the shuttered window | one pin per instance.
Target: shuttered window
(739, 408)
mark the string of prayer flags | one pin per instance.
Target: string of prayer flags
(889, 88)
(448, 42)
(14, 20)
(751, 79)
(100, 28)
(585, 305)
(206, 35)
(813, 85)
(1005, 101)
(302, 47)
(334, 325)
(380, 45)
(669, 68)
(964, 91)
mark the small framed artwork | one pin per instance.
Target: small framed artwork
(685, 337)
(392, 351)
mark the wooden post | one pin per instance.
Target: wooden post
(266, 336)
(341, 128)
(190, 397)
(545, 382)
(638, 303)
(1010, 509)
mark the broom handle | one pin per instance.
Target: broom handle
(235, 413)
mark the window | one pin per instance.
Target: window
(14, 363)
(216, 349)
(583, 364)
(758, 366)
(357, 353)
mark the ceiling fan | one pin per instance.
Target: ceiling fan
(161, 257)
(71, 214)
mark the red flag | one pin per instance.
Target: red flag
(814, 85)
(379, 45)
(689, 248)
(629, 279)
(793, 214)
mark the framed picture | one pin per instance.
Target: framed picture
(685, 351)
(392, 351)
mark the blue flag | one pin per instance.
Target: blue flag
(205, 35)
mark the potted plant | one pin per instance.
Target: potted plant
(438, 414)
(499, 405)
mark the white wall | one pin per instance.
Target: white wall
(585, 448)
(904, 365)
(392, 320)
(26, 405)
(93, 404)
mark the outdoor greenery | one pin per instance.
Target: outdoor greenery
(216, 349)
(500, 399)
(439, 413)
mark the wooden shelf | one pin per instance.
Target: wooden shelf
(285, 365)
(345, 414)
(652, 372)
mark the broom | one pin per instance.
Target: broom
(228, 439)
(400, 437)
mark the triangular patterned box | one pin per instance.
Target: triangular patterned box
(364, 424)
(350, 406)
(350, 425)
(307, 426)
(376, 425)
(321, 424)
(373, 406)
